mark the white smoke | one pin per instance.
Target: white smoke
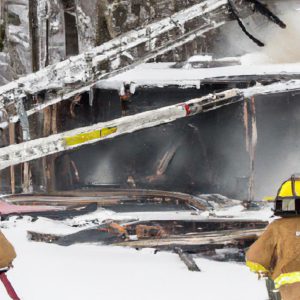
(281, 45)
(102, 173)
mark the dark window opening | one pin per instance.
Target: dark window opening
(71, 34)
(68, 5)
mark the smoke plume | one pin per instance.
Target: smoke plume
(281, 45)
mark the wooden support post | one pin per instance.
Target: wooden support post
(46, 132)
(54, 119)
(251, 140)
(12, 136)
(33, 30)
(3, 173)
(26, 178)
(252, 148)
(50, 127)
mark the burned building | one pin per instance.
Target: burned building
(220, 151)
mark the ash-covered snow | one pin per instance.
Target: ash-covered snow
(90, 271)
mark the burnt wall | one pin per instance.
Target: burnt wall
(106, 105)
(207, 152)
(117, 17)
(34, 34)
(278, 144)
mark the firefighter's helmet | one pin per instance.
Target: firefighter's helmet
(287, 202)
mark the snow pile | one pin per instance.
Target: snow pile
(46, 271)
(93, 271)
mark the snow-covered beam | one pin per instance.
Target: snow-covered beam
(169, 46)
(152, 54)
(163, 75)
(27, 151)
(78, 74)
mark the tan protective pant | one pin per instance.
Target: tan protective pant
(290, 291)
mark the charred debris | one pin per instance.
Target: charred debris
(165, 221)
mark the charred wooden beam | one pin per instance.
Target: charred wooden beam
(187, 259)
(109, 198)
(265, 11)
(164, 162)
(205, 240)
(235, 14)
(12, 140)
(261, 8)
(182, 227)
(42, 237)
(34, 149)
(200, 243)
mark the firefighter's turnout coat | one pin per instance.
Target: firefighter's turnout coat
(277, 254)
(7, 252)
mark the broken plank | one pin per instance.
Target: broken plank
(187, 259)
(212, 238)
(110, 197)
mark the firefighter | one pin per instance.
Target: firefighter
(7, 252)
(276, 254)
(7, 255)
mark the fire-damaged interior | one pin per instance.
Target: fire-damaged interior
(206, 153)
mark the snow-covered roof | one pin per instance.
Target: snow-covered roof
(199, 58)
(162, 74)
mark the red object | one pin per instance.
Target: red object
(187, 109)
(10, 290)
(7, 208)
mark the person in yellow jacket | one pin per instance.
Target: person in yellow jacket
(7, 252)
(276, 254)
(7, 255)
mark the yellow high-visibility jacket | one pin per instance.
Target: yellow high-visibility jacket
(277, 252)
(7, 252)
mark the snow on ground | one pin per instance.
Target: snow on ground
(44, 271)
(90, 271)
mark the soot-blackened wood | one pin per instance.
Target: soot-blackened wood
(205, 240)
(12, 140)
(187, 259)
(110, 197)
(33, 29)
